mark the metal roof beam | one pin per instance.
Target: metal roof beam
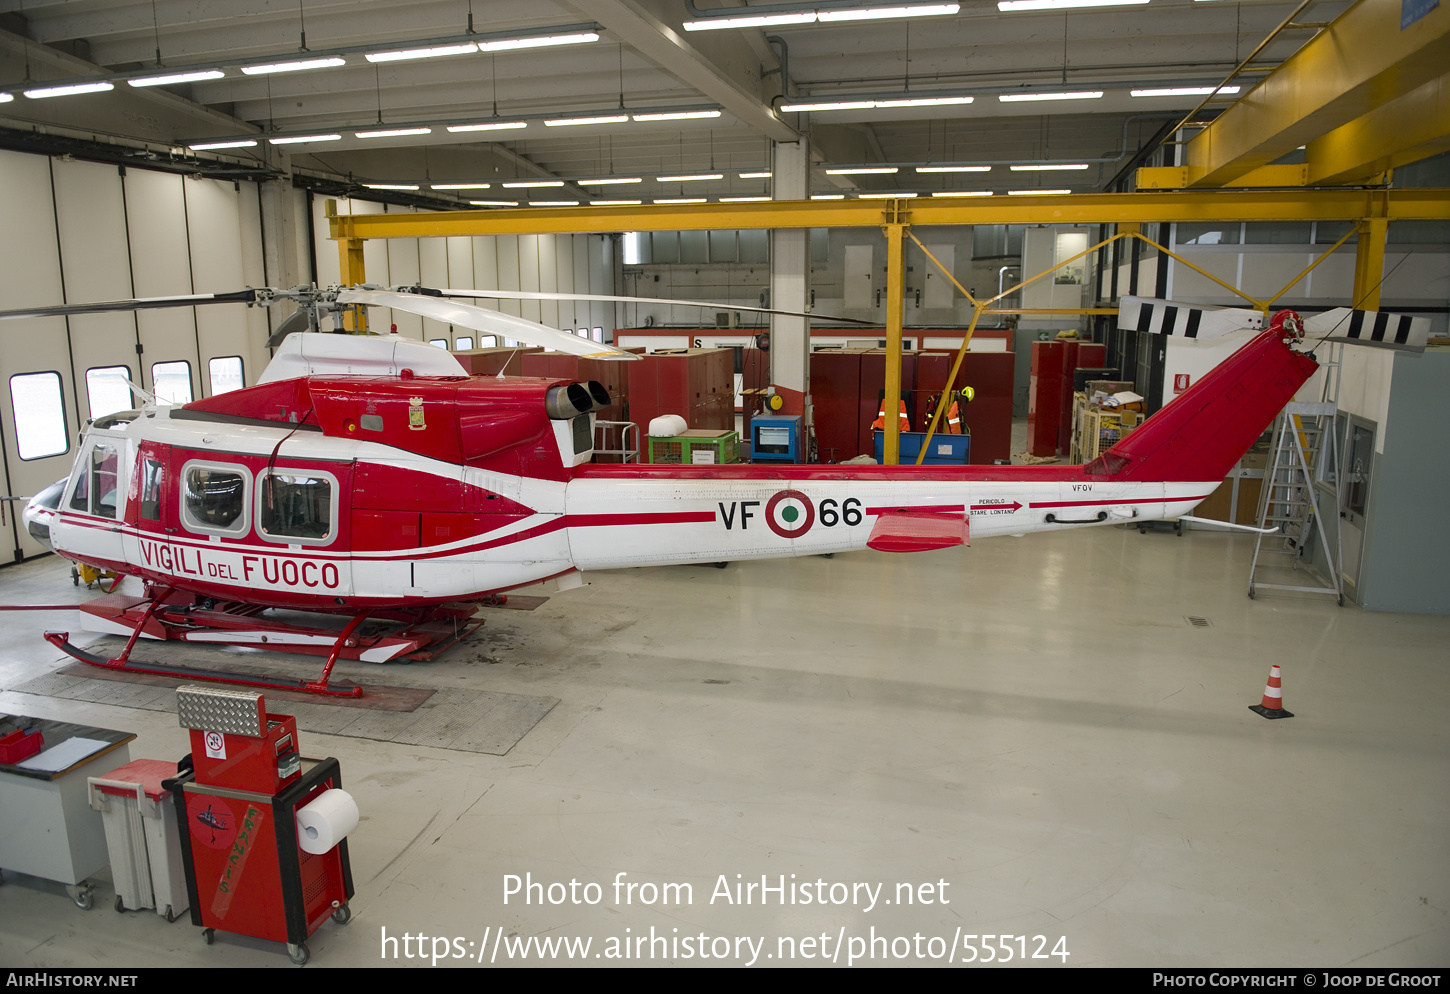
(661, 43)
(1361, 61)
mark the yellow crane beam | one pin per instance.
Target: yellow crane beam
(1360, 65)
(1087, 208)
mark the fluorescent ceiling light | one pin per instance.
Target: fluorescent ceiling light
(922, 102)
(764, 175)
(863, 171)
(491, 126)
(494, 203)
(609, 181)
(65, 91)
(305, 138)
(422, 53)
(391, 186)
(829, 105)
(887, 13)
(614, 203)
(524, 184)
(542, 41)
(393, 133)
(744, 200)
(691, 178)
(294, 66)
(5, 98)
(178, 77)
(1031, 193)
(1008, 98)
(1009, 6)
(953, 169)
(1046, 167)
(884, 196)
(828, 196)
(681, 200)
(1183, 91)
(565, 122)
(553, 203)
(962, 193)
(682, 115)
(459, 186)
(751, 21)
(206, 146)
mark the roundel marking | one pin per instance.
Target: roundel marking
(788, 522)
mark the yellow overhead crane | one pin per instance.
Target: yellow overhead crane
(1374, 209)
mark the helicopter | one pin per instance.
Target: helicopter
(371, 480)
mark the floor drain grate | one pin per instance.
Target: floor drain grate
(1199, 622)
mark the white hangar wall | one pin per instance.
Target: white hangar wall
(82, 232)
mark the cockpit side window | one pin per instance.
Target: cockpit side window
(97, 486)
(150, 490)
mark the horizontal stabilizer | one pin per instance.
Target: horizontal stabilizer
(1164, 317)
(1381, 328)
(917, 531)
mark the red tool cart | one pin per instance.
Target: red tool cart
(247, 872)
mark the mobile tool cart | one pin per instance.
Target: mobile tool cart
(246, 872)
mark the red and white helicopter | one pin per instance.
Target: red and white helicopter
(372, 478)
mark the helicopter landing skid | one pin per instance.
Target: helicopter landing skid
(170, 616)
(61, 641)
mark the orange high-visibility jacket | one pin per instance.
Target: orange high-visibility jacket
(880, 423)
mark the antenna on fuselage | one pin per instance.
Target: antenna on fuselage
(143, 394)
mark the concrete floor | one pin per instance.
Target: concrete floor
(1030, 726)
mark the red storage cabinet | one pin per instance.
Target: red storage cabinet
(1044, 398)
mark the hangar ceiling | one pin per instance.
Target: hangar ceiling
(640, 61)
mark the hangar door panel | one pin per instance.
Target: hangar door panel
(161, 266)
(96, 265)
(38, 417)
(214, 220)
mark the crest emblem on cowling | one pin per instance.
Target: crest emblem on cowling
(415, 414)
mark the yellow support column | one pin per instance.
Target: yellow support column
(1369, 263)
(350, 264)
(895, 308)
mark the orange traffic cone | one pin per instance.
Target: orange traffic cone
(1272, 705)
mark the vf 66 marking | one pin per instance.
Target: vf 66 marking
(790, 513)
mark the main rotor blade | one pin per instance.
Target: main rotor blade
(486, 321)
(247, 296)
(604, 298)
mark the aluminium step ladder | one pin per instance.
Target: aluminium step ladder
(1290, 516)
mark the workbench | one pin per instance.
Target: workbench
(47, 826)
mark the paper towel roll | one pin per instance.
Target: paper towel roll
(326, 821)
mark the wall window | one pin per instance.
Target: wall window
(463, 342)
(1207, 234)
(296, 507)
(441, 343)
(226, 374)
(213, 498)
(487, 342)
(171, 382)
(107, 390)
(39, 408)
(1277, 233)
(599, 335)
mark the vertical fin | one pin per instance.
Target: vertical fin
(1201, 434)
